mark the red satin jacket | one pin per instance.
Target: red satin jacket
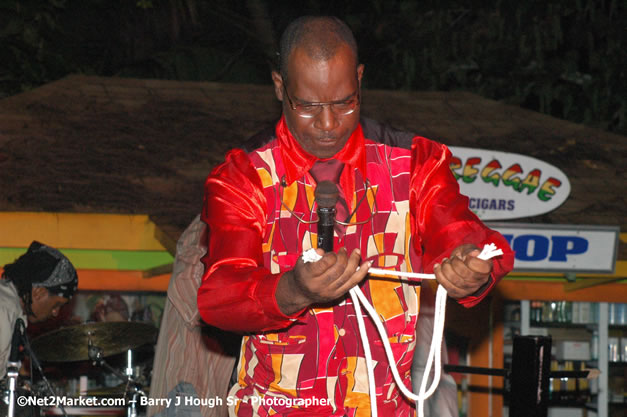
(407, 214)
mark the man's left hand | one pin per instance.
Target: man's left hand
(463, 274)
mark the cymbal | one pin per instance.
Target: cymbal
(71, 343)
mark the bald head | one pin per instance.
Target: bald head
(320, 37)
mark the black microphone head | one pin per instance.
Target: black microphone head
(326, 194)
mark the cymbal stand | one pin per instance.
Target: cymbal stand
(35, 362)
(132, 410)
(96, 354)
(12, 374)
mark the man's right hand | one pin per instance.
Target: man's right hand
(320, 282)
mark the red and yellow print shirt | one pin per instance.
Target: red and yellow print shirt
(407, 215)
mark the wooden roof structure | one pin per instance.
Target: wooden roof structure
(88, 144)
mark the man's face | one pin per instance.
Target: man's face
(315, 81)
(45, 305)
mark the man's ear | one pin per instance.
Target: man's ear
(39, 293)
(278, 85)
(360, 73)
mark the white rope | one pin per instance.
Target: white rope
(372, 388)
(385, 272)
(435, 351)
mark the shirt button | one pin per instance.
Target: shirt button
(342, 332)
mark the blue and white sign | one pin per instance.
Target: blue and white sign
(562, 248)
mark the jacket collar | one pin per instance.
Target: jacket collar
(297, 161)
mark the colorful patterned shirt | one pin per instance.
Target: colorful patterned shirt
(407, 214)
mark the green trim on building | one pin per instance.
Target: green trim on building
(102, 259)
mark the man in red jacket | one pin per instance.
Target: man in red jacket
(399, 208)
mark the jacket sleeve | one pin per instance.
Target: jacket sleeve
(7, 324)
(441, 219)
(237, 292)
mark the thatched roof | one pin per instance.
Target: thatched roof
(112, 145)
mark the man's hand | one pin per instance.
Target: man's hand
(463, 274)
(320, 282)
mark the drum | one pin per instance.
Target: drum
(20, 411)
(86, 411)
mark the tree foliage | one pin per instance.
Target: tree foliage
(565, 58)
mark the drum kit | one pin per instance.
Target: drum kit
(91, 342)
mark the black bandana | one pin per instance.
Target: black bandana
(43, 266)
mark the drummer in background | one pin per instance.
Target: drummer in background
(33, 288)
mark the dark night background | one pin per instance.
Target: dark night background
(565, 58)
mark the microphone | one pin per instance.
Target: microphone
(17, 340)
(326, 195)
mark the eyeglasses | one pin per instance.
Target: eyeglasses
(340, 107)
